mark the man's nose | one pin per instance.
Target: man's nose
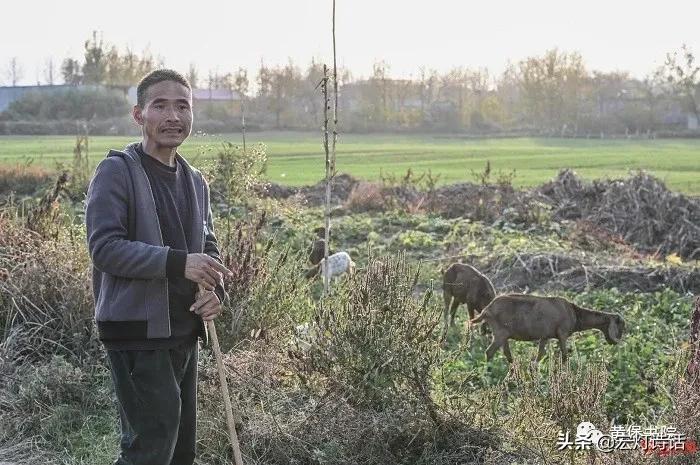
(171, 114)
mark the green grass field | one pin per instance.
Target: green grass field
(297, 158)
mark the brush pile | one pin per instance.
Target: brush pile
(640, 209)
(551, 272)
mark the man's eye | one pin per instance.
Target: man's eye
(184, 107)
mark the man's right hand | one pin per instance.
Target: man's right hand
(204, 270)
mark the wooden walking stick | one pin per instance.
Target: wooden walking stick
(233, 436)
(693, 370)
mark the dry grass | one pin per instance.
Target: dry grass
(364, 197)
(285, 423)
(23, 180)
(51, 363)
(46, 297)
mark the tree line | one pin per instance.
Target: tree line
(554, 93)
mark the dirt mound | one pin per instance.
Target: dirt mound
(275, 191)
(488, 202)
(314, 195)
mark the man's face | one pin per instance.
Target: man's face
(166, 116)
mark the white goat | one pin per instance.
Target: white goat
(338, 264)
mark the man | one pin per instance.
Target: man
(152, 244)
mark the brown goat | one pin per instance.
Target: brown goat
(464, 284)
(316, 253)
(533, 318)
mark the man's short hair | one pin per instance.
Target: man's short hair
(156, 76)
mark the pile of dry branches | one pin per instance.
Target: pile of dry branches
(556, 271)
(640, 209)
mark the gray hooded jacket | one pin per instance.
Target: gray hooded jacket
(129, 280)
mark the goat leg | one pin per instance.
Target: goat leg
(562, 346)
(506, 351)
(493, 348)
(543, 348)
(453, 311)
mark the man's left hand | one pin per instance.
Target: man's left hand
(206, 305)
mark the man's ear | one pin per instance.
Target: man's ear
(136, 112)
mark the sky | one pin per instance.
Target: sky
(611, 35)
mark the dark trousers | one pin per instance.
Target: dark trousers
(157, 399)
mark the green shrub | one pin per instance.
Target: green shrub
(414, 240)
(235, 173)
(279, 298)
(375, 339)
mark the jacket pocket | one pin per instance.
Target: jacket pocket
(124, 299)
(117, 286)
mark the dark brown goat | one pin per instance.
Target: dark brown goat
(464, 284)
(316, 253)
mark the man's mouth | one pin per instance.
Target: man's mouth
(172, 131)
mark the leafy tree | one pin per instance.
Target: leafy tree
(264, 80)
(240, 82)
(278, 90)
(70, 69)
(309, 91)
(552, 86)
(126, 69)
(427, 90)
(650, 86)
(95, 67)
(380, 71)
(683, 74)
(105, 64)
